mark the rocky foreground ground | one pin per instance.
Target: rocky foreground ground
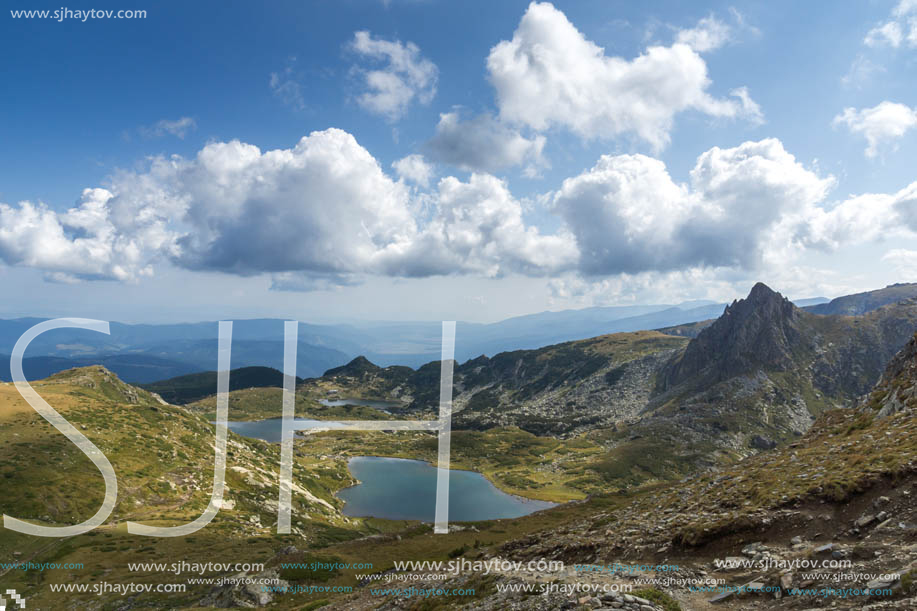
(811, 525)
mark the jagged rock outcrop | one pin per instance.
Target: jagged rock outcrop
(897, 390)
(763, 331)
(766, 369)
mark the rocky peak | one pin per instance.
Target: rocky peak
(762, 299)
(93, 376)
(356, 368)
(762, 331)
(104, 382)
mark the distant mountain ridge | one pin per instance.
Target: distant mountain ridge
(861, 303)
(556, 389)
(180, 349)
(133, 368)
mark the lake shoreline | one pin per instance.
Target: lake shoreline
(455, 464)
(378, 504)
(496, 485)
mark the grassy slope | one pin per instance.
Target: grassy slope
(151, 445)
(163, 457)
(196, 386)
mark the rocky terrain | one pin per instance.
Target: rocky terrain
(663, 405)
(763, 371)
(561, 389)
(814, 524)
(896, 390)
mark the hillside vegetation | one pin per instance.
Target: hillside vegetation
(197, 386)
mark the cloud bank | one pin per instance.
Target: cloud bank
(324, 212)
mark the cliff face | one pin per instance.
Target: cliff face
(839, 357)
(763, 371)
(897, 390)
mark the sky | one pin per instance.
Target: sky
(430, 160)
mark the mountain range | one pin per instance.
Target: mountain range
(773, 433)
(145, 353)
(758, 375)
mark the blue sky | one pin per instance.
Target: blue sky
(547, 155)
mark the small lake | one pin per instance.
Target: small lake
(402, 489)
(374, 403)
(271, 429)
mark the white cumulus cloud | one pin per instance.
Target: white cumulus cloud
(86, 241)
(483, 144)
(883, 124)
(549, 74)
(900, 29)
(478, 227)
(746, 207)
(320, 214)
(415, 169)
(324, 214)
(404, 75)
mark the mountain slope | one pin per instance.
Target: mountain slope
(557, 389)
(163, 457)
(763, 367)
(897, 390)
(843, 493)
(861, 303)
(767, 368)
(163, 454)
(187, 389)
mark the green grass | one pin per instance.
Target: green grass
(197, 386)
(659, 598)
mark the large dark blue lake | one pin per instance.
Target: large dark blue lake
(402, 489)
